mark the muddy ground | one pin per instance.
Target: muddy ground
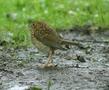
(79, 68)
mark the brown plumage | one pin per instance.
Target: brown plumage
(47, 39)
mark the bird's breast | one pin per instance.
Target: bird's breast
(40, 46)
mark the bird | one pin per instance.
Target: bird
(47, 40)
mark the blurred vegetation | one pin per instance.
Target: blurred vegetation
(14, 15)
(34, 88)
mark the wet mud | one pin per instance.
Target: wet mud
(78, 68)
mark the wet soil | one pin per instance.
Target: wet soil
(78, 68)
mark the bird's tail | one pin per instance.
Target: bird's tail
(68, 42)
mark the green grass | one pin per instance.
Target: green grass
(14, 15)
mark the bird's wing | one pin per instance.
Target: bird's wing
(49, 37)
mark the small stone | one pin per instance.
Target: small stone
(81, 58)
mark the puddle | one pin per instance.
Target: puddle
(16, 87)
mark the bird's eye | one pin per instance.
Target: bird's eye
(33, 24)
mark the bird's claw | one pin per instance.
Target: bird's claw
(50, 65)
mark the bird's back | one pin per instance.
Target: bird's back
(47, 35)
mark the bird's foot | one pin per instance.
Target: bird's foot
(50, 65)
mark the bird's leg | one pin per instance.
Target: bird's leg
(50, 60)
(49, 63)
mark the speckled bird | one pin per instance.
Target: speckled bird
(47, 40)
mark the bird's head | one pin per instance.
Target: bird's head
(37, 25)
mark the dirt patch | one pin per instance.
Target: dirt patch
(85, 68)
